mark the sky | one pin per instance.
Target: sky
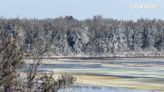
(81, 9)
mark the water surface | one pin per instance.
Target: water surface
(99, 89)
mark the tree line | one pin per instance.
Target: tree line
(97, 36)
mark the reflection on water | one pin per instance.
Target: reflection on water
(99, 89)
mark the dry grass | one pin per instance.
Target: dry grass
(118, 82)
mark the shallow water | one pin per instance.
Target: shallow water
(137, 67)
(139, 70)
(99, 89)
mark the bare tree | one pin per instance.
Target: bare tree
(35, 52)
(11, 55)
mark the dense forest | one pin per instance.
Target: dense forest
(97, 36)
